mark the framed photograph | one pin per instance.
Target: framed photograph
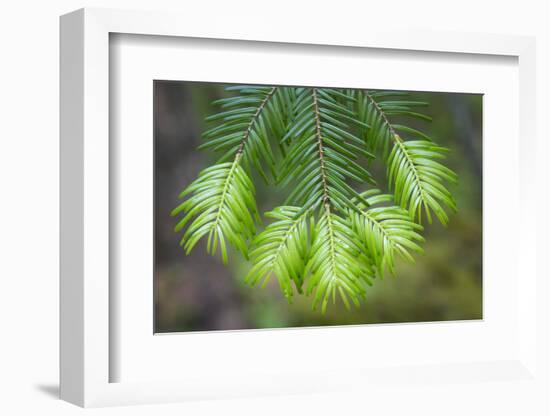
(280, 213)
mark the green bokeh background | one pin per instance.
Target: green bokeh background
(197, 292)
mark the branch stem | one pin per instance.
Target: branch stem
(248, 130)
(382, 113)
(326, 197)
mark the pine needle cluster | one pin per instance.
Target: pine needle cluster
(336, 231)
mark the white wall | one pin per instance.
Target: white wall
(29, 182)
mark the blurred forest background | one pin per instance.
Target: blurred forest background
(197, 292)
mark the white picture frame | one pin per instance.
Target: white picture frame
(87, 356)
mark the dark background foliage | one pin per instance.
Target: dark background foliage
(197, 292)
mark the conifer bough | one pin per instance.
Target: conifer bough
(335, 232)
